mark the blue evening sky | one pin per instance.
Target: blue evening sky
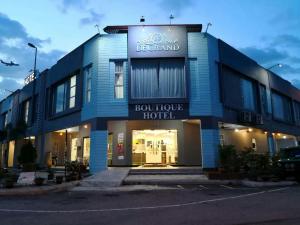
(266, 30)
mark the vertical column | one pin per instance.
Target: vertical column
(271, 144)
(98, 150)
(210, 148)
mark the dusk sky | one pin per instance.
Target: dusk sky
(266, 30)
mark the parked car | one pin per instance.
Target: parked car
(289, 162)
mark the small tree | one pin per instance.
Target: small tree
(27, 157)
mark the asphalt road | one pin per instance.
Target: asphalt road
(208, 204)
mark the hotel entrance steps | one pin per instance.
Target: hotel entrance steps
(166, 171)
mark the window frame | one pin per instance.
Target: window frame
(87, 72)
(185, 99)
(118, 74)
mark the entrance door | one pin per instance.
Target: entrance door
(154, 147)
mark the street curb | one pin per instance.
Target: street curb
(34, 190)
(249, 183)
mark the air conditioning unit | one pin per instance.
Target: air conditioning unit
(259, 119)
(246, 117)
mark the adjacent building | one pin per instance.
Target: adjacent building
(150, 95)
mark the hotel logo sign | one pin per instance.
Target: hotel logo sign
(157, 41)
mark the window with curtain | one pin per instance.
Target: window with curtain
(282, 108)
(72, 97)
(60, 98)
(297, 112)
(88, 84)
(158, 79)
(263, 99)
(119, 80)
(248, 94)
(26, 111)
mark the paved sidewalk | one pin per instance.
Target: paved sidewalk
(37, 190)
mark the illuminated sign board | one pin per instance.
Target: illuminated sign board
(31, 77)
(157, 41)
(160, 111)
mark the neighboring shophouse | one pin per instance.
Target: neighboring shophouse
(151, 95)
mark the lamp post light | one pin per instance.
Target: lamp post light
(34, 75)
(275, 65)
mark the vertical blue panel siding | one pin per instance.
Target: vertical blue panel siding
(90, 56)
(204, 86)
(111, 47)
(101, 52)
(210, 148)
(98, 154)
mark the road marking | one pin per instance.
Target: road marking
(202, 186)
(143, 207)
(179, 186)
(228, 187)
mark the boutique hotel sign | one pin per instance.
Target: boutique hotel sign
(160, 111)
(157, 41)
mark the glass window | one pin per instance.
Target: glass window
(297, 112)
(26, 111)
(281, 107)
(60, 98)
(5, 120)
(248, 95)
(119, 80)
(88, 84)
(263, 99)
(158, 79)
(72, 92)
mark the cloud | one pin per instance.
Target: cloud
(264, 55)
(175, 6)
(291, 15)
(7, 85)
(93, 18)
(13, 47)
(286, 40)
(66, 5)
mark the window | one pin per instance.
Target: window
(60, 98)
(88, 84)
(5, 120)
(281, 107)
(119, 80)
(248, 94)
(72, 92)
(297, 112)
(26, 111)
(158, 79)
(263, 99)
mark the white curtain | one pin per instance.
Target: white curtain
(171, 79)
(158, 79)
(144, 80)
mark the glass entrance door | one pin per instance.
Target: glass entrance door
(157, 147)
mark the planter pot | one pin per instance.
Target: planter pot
(59, 179)
(39, 181)
(9, 183)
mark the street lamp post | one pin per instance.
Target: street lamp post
(34, 74)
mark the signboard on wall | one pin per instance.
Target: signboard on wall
(159, 111)
(120, 146)
(157, 41)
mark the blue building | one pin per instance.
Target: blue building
(150, 95)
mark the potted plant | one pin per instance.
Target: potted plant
(9, 180)
(27, 157)
(59, 179)
(39, 181)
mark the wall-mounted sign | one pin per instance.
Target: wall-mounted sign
(29, 78)
(157, 41)
(159, 111)
(120, 146)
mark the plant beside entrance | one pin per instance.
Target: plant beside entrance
(27, 157)
(239, 164)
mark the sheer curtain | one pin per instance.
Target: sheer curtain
(248, 95)
(171, 79)
(144, 79)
